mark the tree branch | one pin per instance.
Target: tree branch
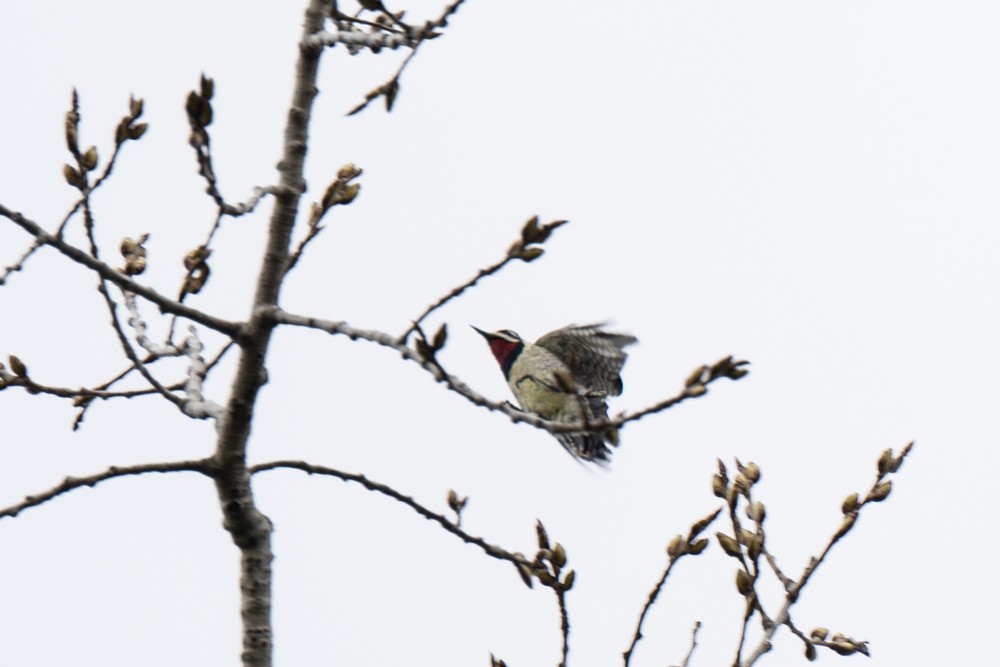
(489, 549)
(679, 547)
(723, 368)
(202, 466)
(167, 305)
(879, 491)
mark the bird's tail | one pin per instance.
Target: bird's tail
(591, 445)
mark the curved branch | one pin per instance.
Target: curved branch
(109, 273)
(491, 550)
(879, 491)
(695, 389)
(202, 466)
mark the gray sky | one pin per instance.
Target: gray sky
(810, 186)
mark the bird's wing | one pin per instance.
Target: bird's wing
(594, 357)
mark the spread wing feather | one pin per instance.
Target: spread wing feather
(594, 357)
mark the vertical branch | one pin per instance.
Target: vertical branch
(249, 528)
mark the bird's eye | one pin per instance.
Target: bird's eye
(511, 334)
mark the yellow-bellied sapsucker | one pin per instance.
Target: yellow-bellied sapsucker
(566, 377)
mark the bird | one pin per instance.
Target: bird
(566, 376)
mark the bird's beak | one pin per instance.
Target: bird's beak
(481, 332)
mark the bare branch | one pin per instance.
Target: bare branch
(18, 264)
(489, 549)
(525, 249)
(196, 405)
(100, 391)
(694, 643)
(482, 273)
(880, 489)
(459, 387)
(679, 547)
(232, 329)
(386, 36)
(202, 466)
(563, 622)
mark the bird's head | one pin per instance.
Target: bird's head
(505, 346)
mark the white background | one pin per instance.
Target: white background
(810, 186)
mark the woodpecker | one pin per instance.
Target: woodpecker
(566, 377)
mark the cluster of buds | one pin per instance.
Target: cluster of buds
(86, 161)
(196, 263)
(18, 368)
(428, 348)
(127, 128)
(692, 544)
(339, 193)
(134, 252)
(547, 565)
(887, 464)
(744, 541)
(747, 476)
(840, 643)
(199, 112)
(696, 383)
(457, 505)
(532, 236)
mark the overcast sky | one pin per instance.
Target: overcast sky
(810, 186)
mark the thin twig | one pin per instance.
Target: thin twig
(454, 384)
(18, 264)
(482, 273)
(167, 305)
(678, 548)
(564, 623)
(388, 37)
(650, 600)
(101, 393)
(694, 643)
(850, 518)
(293, 259)
(491, 550)
(202, 466)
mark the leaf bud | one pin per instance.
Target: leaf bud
(440, 337)
(718, 486)
(885, 462)
(696, 390)
(696, 377)
(545, 577)
(696, 547)
(558, 555)
(529, 233)
(728, 545)
(136, 131)
(71, 175)
(881, 492)
(744, 583)
(677, 547)
(543, 537)
(850, 504)
(89, 159)
(349, 172)
(16, 365)
(702, 524)
(525, 572)
(530, 254)
(847, 524)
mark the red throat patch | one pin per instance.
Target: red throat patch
(503, 351)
